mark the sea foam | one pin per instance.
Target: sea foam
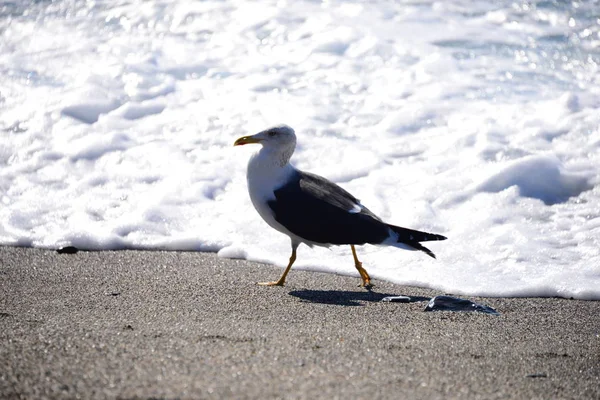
(478, 122)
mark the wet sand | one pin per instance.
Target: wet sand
(141, 324)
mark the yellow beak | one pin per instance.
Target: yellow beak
(246, 140)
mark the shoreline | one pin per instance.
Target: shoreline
(166, 324)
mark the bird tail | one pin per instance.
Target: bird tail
(412, 238)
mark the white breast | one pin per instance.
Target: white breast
(264, 177)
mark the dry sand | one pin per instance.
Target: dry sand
(134, 324)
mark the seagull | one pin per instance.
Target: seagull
(312, 210)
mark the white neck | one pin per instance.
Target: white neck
(268, 169)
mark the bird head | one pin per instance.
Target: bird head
(278, 144)
(278, 137)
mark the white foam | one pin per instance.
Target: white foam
(540, 177)
(117, 126)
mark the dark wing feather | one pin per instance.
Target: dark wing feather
(320, 211)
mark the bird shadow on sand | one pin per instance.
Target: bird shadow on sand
(345, 298)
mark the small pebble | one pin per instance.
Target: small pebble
(449, 303)
(397, 299)
(538, 375)
(67, 250)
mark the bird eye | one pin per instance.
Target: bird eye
(272, 133)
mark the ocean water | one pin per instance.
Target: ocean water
(477, 120)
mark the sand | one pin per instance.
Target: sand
(141, 324)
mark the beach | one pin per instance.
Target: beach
(155, 324)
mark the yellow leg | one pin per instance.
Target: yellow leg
(281, 280)
(366, 279)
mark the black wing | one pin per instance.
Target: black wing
(320, 211)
